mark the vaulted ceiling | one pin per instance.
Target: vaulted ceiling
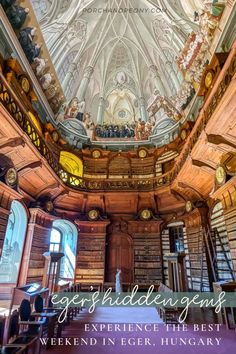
(129, 43)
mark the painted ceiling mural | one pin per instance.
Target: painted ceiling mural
(129, 69)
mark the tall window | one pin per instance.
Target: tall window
(176, 239)
(67, 269)
(55, 241)
(64, 239)
(13, 244)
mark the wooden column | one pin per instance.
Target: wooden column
(37, 242)
(91, 248)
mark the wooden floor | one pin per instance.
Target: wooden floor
(97, 341)
(195, 315)
(120, 315)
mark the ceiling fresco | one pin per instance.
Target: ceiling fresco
(129, 69)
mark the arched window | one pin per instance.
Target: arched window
(55, 241)
(64, 239)
(13, 244)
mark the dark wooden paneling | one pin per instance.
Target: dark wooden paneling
(37, 242)
(147, 258)
(196, 264)
(230, 221)
(90, 260)
(40, 244)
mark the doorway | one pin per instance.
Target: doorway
(119, 256)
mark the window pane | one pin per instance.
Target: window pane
(56, 248)
(55, 236)
(51, 248)
(13, 244)
(67, 269)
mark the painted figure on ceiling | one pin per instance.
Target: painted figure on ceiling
(81, 110)
(46, 80)
(17, 15)
(39, 66)
(89, 125)
(140, 130)
(68, 110)
(7, 3)
(72, 108)
(61, 113)
(31, 50)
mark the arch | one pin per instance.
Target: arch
(64, 66)
(71, 163)
(108, 90)
(163, 121)
(120, 101)
(120, 45)
(13, 243)
(67, 245)
(130, 43)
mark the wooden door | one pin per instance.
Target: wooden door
(119, 256)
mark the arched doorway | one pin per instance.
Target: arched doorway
(119, 256)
